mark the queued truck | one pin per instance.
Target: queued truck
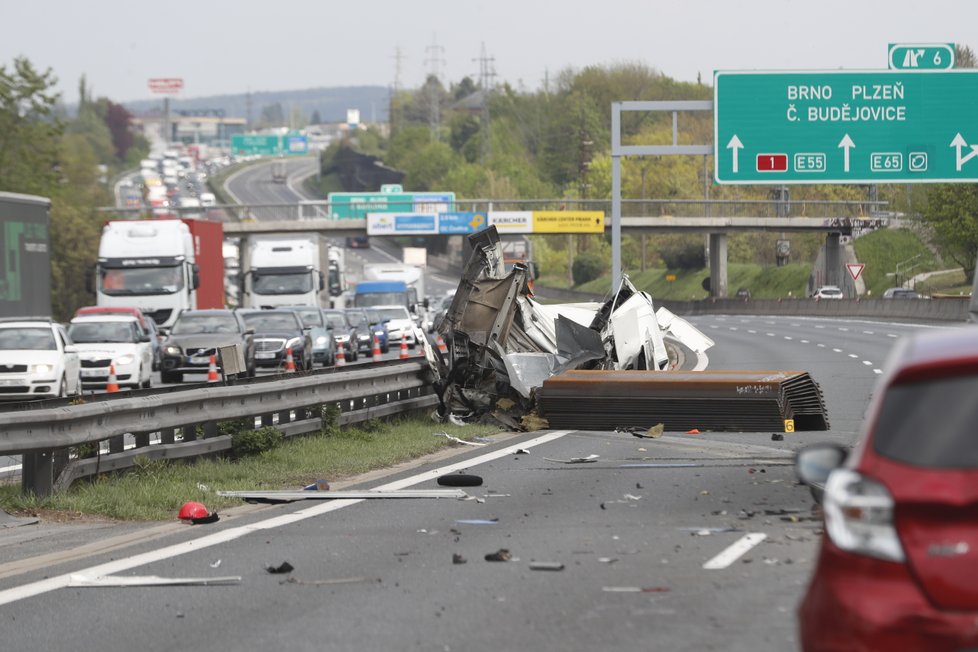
(25, 275)
(393, 283)
(287, 271)
(161, 266)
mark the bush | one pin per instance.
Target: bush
(588, 266)
(684, 254)
(252, 442)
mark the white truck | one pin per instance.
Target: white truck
(411, 275)
(279, 170)
(336, 277)
(160, 266)
(287, 271)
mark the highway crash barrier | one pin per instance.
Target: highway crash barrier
(739, 401)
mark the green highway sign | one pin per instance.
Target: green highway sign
(256, 145)
(345, 205)
(921, 56)
(841, 126)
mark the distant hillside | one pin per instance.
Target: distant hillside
(332, 103)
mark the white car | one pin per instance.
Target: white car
(37, 360)
(829, 292)
(106, 340)
(400, 324)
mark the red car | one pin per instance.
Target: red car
(898, 567)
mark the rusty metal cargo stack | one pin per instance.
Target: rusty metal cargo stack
(739, 401)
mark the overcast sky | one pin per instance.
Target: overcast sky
(231, 46)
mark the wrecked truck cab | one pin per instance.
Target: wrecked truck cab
(503, 344)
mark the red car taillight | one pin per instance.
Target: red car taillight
(859, 516)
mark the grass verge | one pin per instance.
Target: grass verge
(155, 490)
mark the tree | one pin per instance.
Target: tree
(272, 115)
(119, 122)
(316, 118)
(29, 131)
(953, 215)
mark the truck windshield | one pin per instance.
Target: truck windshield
(298, 283)
(141, 280)
(379, 299)
(101, 331)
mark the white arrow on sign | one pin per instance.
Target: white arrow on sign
(847, 143)
(855, 269)
(736, 146)
(958, 143)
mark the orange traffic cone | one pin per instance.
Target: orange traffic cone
(440, 343)
(375, 354)
(112, 385)
(340, 356)
(289, 362)
(404, 349)
(212, 376)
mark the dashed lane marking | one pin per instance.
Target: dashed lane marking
(735, 551)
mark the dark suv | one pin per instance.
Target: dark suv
(323, 345)
(276, 332)
(345, 333)
(195, 336)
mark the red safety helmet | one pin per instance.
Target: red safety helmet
(191, 511)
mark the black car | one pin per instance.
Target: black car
(345, 333)
(360, 320)
(195, 336)
(277, 332)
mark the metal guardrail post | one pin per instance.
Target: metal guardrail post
(37, 474)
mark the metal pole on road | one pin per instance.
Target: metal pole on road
(615, 195)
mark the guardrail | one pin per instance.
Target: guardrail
(183, 424)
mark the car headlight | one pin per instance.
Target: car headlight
(322, 340)
(41, 368)
(294, 342)
(125, 359)
(172, 350)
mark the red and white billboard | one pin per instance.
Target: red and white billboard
(166, 85)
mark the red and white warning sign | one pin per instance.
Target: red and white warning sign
(166, 85)
(855, 269)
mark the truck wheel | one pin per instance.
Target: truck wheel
(171, 377)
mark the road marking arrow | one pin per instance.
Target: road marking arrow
(958, 143)
(736, 146)
(847, 143)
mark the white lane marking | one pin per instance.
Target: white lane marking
(714, 326)
(837, 350)
(788, 337)
(845, 330)
(820, 345)
(819, 326)
(877, 371)
(770, 334)
(795, 325)
(44, 586)
(867, 363)
(853, 355)
(804, 341)
(733, 328)
(735, 551)
(752, 331)
(893, 335)
(770, 322)
(869, 333)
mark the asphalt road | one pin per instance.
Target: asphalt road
(372, 575)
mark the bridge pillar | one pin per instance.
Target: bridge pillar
(834, 255)
(718, 265)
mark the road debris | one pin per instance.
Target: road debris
(576, 460)
(645, 433)
(284, 567)
(777, 436)
(546, 565)
(196, 514)
(215, 564)
(287, 496)
(80, 580)
(292, 579)
(659, 465)
(500, 555)
(318, 485)
(459, 480)
(635, 589)
(477, 521)
(458, 559)
(455, 439)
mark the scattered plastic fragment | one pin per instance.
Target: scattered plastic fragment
(284, 567)
(215, 564)
(342, 580)
(546, 565)
(500, 555)
(694, 431)
(318, 485)
(659, 465)
(777, 436)
(576, 460)
(455, 439)
(522, 451)
(477, 521)
(707, 531)
(455, 420)
(607, 560)
(203, 487)
(203, 520)
(459, 480)
(635, 589)
(458, 559)
(644, 433)
(79, 580)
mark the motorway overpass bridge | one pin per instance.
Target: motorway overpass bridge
(714, 218)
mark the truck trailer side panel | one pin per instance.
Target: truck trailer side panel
(209, 256)
(25, 276)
